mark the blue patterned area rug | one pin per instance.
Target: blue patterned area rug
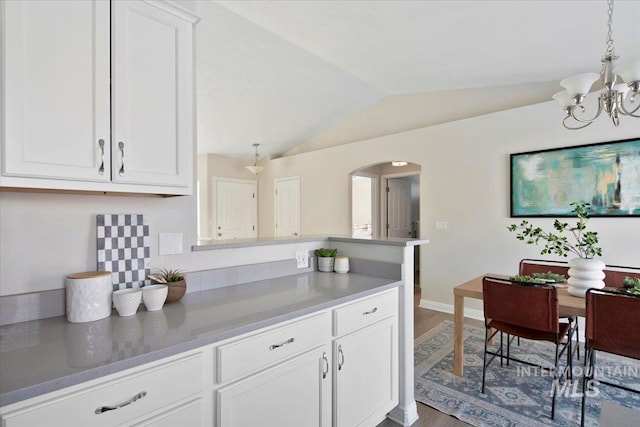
(515, 395)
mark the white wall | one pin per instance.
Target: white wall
(465, 181)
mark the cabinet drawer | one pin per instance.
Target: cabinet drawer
(161, 385)
(257, 351)
(365, 312)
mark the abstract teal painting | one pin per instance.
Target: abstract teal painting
(606, 175)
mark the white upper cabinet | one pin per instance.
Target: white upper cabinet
(152, 100)
(99, 96)
(56, 83)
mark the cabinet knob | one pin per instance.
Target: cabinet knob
(219, 234)
(121, 147)
(101, 168)
(340, 357)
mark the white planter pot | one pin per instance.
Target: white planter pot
(325, 264)
(585, 273)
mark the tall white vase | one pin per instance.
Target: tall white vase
(585, 273)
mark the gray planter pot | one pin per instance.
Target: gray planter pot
(325, 264)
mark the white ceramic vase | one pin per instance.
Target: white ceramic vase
(325, 264)
(585, 273)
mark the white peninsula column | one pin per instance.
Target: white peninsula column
(394, 251)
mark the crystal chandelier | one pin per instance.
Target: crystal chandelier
(612, 98)
(255, 169)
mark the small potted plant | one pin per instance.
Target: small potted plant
(326, 258)
(585, 271)
(175, 281)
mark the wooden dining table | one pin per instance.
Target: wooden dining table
(569, 306)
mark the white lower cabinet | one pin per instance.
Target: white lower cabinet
(365, 375)
(336, 367)
(156, 392)
(296, 392)
(349, 378)
(189, 414)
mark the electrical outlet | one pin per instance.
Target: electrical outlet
(302, 259)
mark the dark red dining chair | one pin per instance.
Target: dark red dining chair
(525, 310)
(611, 327)
(529, 266)
(614, 275)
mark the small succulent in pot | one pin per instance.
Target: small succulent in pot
(326, 258)
(326, 252)
(175, 281)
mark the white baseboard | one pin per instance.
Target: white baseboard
(448, 308)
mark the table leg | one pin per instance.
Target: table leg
(458, 335)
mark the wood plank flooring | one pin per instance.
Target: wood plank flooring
(423, 321)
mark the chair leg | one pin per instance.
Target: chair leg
(577, 339)
(586, 378)
(484, 358)
(554, 385)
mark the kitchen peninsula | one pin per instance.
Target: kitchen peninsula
(199, 357)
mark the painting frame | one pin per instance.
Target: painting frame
(543, 183)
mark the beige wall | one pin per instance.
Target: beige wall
(465, 181)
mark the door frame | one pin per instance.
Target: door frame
(275, 203)
(214, 200)
(375, 197)
(383, 196)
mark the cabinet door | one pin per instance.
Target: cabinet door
(366, 375)
(152, 72)
(294, 393)
(56, 90)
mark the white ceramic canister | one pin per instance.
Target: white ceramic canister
(341, 264)
(88, 296)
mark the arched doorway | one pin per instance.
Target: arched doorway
(385, 202)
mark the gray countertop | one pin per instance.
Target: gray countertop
(41, 356)
(207, 245)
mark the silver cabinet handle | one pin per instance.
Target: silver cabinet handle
(101, 168)
(103, 409)
(326, 364)
(341, 357)
(121, 147)
(370, 312)
(274, 346)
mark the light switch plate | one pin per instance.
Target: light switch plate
(169, 243)
(441, 225)
(302, 259)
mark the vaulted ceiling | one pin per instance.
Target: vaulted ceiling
(295, 76)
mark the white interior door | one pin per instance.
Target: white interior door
(236, 207)
(287, 206)
(398, 208)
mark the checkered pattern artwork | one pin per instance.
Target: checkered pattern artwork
(123, 249)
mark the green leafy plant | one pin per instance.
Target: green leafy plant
(585, 242)
(167, 276)
(632, 285)
(547, 277)
(326, 252)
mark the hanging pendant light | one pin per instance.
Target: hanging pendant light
(255, 169)
(611, 99)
